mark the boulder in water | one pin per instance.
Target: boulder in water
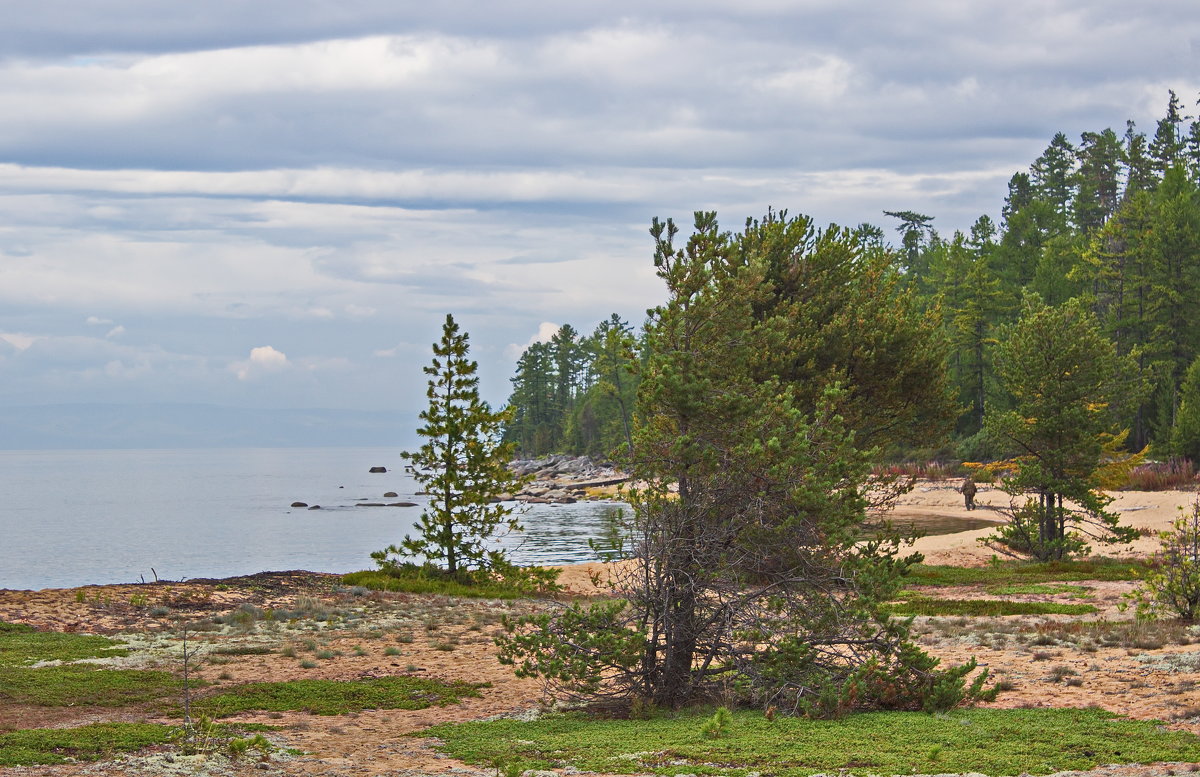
(299, 504)
(390, 495)
(378, 469)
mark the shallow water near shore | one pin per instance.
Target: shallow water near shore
(70, 518)
(91, 517)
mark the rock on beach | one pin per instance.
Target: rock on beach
(562, 479)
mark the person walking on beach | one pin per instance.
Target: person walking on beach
(968, 491)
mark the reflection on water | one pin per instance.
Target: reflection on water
(559, 534)
(931, 525)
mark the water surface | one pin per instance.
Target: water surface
(71, 518)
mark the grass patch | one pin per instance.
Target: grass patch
(27, 747)
(516, 583)
(1040, 589)
(1034, 741)
(244, 650)
(333, 697)
(923, 605)
(21, 644)
(1025, 573)
(84, 685)
(1143, 634)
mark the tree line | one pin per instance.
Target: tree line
(1112, 222)
(574, 393)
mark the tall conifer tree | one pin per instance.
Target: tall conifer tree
(462, 466)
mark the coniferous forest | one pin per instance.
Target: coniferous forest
(1109, 222)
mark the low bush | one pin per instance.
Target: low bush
(925, 470)
(1173, 586)
(84, 685)
(506, 583)
(20, 644)
(1021, 572)
(1167, 475)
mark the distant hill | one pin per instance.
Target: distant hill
(43, 427)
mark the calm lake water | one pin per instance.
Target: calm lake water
(71, 518)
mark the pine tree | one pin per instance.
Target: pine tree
(462, 466)
(1118, 264)
(1169, 143)
(609, 401)
(535, 423)
(1173, 307)
(1053, 176)
(1139, 176)
(1185, 434)
(1063, 376)
(750, 575)
(915, 229)
(970, 303)
(1097, 179)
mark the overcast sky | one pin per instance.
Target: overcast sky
(275, 203)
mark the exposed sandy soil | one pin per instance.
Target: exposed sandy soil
(1144, 675)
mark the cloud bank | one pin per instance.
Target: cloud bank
(178, 189)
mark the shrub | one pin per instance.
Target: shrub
(503, 582)
(1162, 476)
(927, 470)
(718, 725)
(1174, 585)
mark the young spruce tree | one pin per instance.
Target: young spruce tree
(462, 466)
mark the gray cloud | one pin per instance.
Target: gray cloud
(331, 179)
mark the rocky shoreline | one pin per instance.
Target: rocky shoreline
(564, 479)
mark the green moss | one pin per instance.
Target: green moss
(84, 685)
(1020, 573)
(1036, 741)
(332, 697)
(1040, 589)
(22, 645)
(27, 747)
(920, 605)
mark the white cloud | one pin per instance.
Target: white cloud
(116, 331)
(263, 360)
(545, 331)
(19, 341)
(97, 321)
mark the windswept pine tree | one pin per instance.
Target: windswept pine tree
(750, 576)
